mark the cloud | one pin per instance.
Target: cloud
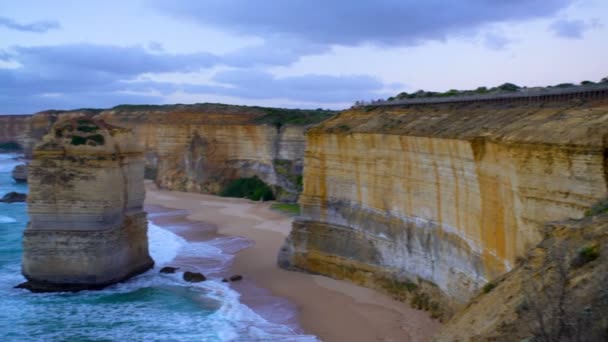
(86, 67)
(305, 88)
(349, 23)
(36, 27)
(87, 75)
(572, 29)
(495, 41)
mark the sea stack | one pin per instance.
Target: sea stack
(88, 229)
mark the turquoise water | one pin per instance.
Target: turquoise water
(149, 307)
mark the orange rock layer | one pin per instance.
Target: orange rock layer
(449, 195)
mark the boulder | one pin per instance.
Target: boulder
(20, 173)
(13, 197)
(236, 277)
(194, 277)
(168, 269)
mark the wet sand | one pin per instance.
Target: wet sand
(330, 309)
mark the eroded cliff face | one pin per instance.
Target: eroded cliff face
(432, 202)
(202, 150)
(12, 128)
(87, 225)
(202, 147)
(556, 293)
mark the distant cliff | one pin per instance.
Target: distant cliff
(12, 131)
(201, 148)
(431, 202)
(87, 226)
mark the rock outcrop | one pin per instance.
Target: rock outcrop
(87, 227)
(13, 197)
(431, 202)
(19, 173)
(13, 131)
(556, 293)
(203, 147)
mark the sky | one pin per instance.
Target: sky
(64, 54)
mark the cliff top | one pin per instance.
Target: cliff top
(574, 122)
(205, 114)
(84, 134)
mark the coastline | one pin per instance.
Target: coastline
(330, 309)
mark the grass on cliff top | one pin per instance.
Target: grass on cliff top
(279, 117)
(288, 208)
(252, 188)
(273, 116)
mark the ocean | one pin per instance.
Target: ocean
(149, 307)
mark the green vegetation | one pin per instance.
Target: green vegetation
(343, 127)
(82, 140)
(252, 188)
(87, 126)
(598, 208)
(273, 116)
(586, 254)
(279, 117)
(150, 172)
(78, 140)
(289, 208)
(487, 288)
(504, 88)
(286, 168)
(10, 146)
(421, 94)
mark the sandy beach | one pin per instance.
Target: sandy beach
(330, 309)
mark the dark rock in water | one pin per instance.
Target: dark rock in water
(224, 280)
(20, 173)
(236, 277)
(13, 197)
(168, 269)
(194, 277)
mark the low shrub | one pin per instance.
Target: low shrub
(252, 188)
(598, 208)
(77, 140)
(586, 254)
(487, 288)
(289, 208)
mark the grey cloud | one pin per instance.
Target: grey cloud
(86, 75)
(69, 76)
(347, 22)
(84, 67)
(495, 41)
(36, 27)
(572, 29)
(307, 88)
(34, 103)
(125, 61)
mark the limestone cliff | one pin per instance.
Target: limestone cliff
(200, 148)
(87, 227)
(431, 202)
(12, 130)
(557, 293)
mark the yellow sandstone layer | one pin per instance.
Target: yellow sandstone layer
(432, 202)
(87, 226)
